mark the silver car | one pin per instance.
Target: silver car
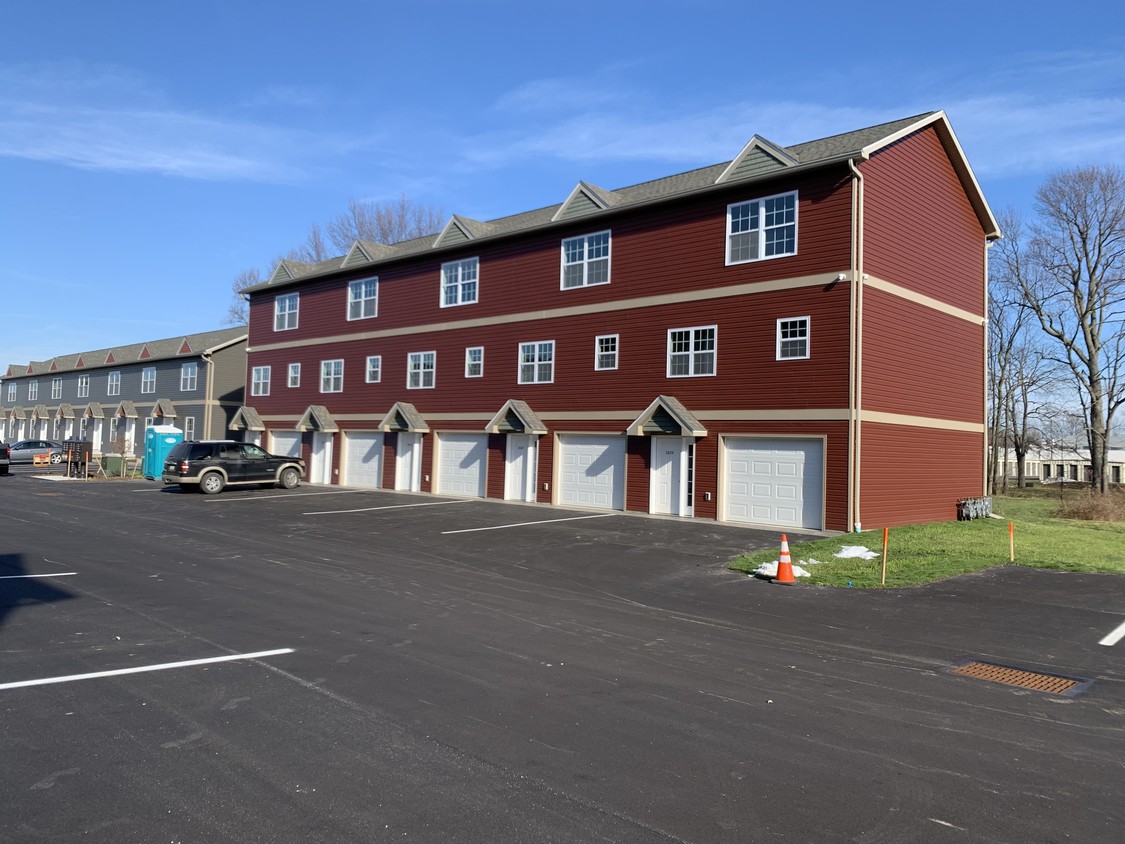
(25, 451)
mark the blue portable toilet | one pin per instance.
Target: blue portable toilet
(159, 440)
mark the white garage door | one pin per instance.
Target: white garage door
(775, 481)
(285, 443)
(592, 471)
(461, 460)
(363, 459)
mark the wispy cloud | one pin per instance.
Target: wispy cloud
(1043, 111)
(107, 118)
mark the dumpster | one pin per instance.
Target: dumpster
(159, 440)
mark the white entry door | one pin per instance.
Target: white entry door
(775, 481)
(408, 462)
(321, 470)
(520, 467)
(669, 476)
(363, 459)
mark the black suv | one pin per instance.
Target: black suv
(212, 465)
(5, 458)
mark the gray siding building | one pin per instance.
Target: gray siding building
(110, 396)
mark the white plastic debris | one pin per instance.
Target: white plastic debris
(770, 570)
(861, 551)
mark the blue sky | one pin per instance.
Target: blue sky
(149, 152)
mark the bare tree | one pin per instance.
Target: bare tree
(1007, 319)
(238, 312)
(383, 222)
(1072, 275)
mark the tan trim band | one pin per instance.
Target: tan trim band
(562, 313)
(923, 300)
(920, 421)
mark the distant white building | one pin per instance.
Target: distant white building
(1058, 462)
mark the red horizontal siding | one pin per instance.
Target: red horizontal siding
(920, 231)
(748, 374)
(660, 249)
(917, 475)
(920, 362)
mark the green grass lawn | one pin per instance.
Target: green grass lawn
(925, 553)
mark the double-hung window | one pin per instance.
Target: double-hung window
(12, 392)
(148, 379)
(585, 260)
(260, 381)
(793, 338)
(83, 386)
(459, 282)
(56, 389)
(762, 228)
(374, 369)
(537, 362)
(294, 375)
(332, 376)
(32, 390)
(605, 351)
(363, 298)
(474, 362)
(285, 311)
(691, 351)
(420, 370)
(113, 384)
(189, 376)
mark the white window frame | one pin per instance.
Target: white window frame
(421, 364)
(83, 386)
(582, 244)
(693, 339)
(757, 208)
(260, 380)
(359, 304)
(56, 389)
(465, 292)
(33, 390)
(332, 375)
(113, 384)
(536, 354)
(373, 371)
(788, 324)
(189, 376)
(293, 378)
(189, 427)
(477, 363)
(286, 310)
(148, 379)
(12, 392)
(599, 351)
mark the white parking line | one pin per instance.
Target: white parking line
(387, 507)
(218, 499)
(142, 668)
(523, 524)
(1114, 637)
(18, 576)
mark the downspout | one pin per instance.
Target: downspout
(984, 469)
(206, 356)
(855, 444)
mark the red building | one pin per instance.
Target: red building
(794, 338)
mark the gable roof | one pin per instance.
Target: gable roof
(760, 159)
(190, 345)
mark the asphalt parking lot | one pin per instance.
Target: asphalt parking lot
(325, 665)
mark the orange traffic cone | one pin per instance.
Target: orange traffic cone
(784, 564)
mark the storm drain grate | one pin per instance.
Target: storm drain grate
(1051, 683)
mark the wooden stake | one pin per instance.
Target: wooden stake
(885, 530)
(1011, 542)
